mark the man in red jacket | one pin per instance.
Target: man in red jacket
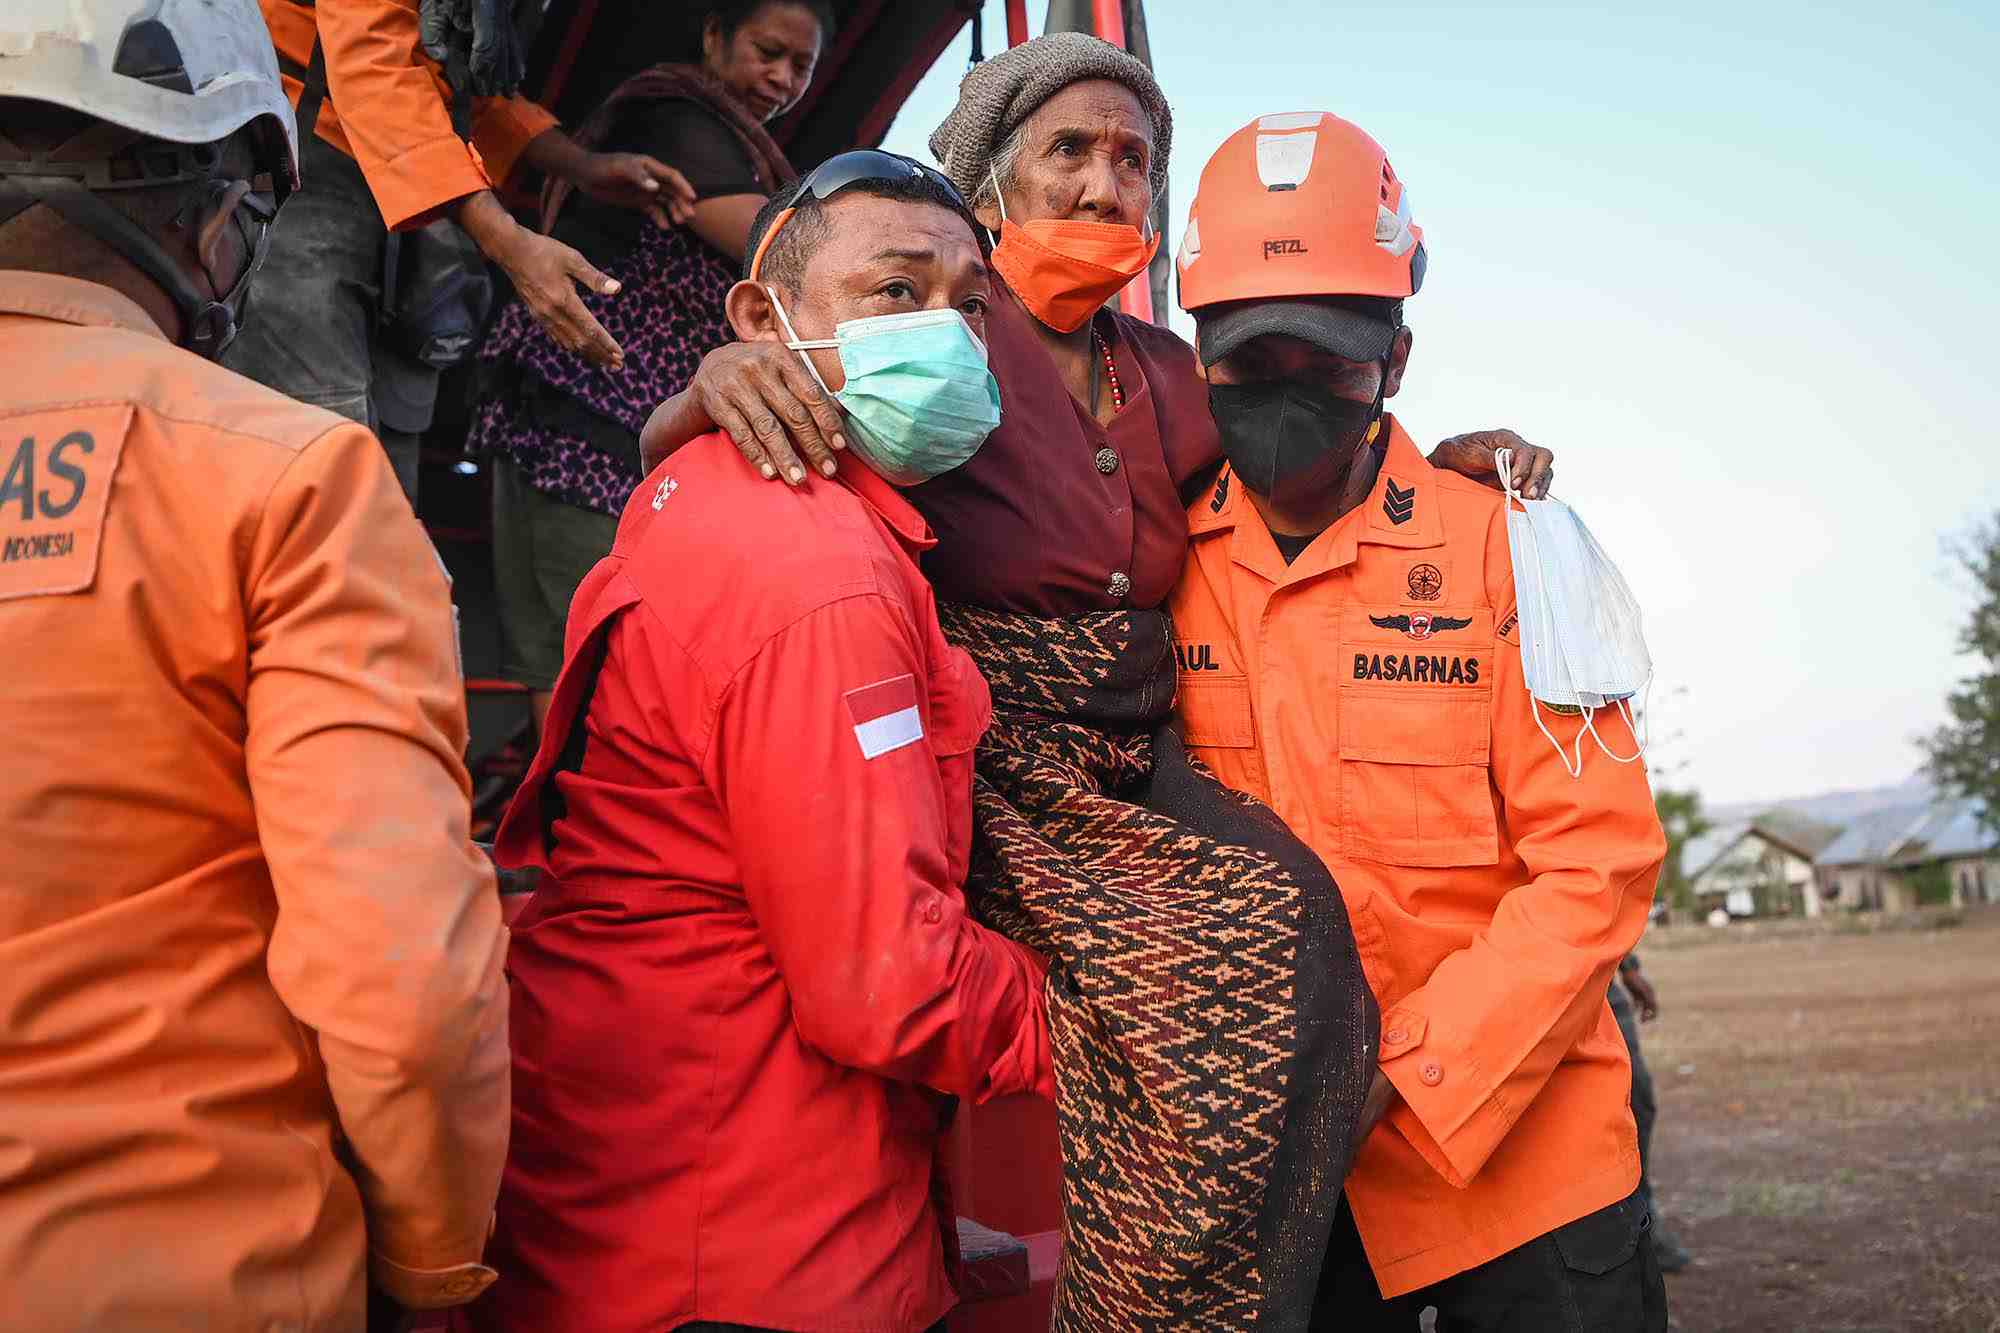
(749, 986)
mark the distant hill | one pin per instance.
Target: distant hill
(1833, 807)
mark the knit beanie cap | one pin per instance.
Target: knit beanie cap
(997, 95)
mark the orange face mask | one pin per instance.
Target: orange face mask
(1064, 271)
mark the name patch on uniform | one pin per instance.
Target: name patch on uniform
(885, 716)
(1417, 668)
(55, 480)
(1195, 657)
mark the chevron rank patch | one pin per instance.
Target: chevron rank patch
(1399, 502)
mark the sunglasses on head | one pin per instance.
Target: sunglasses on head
(842, 170)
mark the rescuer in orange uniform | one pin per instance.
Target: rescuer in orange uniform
(1349, 653)
(383, 154)
(253, 1035)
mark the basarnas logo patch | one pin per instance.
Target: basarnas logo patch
(1420, 624)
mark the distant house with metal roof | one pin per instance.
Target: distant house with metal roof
(1895, 859)
(1954, 842)
(1761, 866)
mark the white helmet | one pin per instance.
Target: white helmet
(187, 71)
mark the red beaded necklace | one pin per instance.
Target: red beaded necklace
(1110, 371)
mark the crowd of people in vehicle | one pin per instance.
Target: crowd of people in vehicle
(947, 686)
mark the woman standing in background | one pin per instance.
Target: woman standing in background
(563, 433)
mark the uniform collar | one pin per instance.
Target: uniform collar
(887, 502)
(72, 301)
(1400, 511)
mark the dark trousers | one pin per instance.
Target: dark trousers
(1593, 1275)
(1644, 1108)
(310, 324)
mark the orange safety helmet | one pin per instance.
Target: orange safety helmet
(1301, 204)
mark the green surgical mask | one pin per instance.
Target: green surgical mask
(918, 398)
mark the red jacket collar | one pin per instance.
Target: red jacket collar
(887, 502)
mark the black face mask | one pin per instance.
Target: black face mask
(1286, 439)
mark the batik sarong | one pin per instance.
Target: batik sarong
(1213, 1035)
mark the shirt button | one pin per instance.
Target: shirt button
(1395, 1036)
(1432, 1075)
(1107, 460)
(932, 912)
(1120, 586)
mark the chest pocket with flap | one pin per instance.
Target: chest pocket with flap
(1415, 787)
(1217, 712)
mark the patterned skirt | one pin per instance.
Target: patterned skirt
(668, 315)
(1214, 1036)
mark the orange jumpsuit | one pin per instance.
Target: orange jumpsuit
(253, 1033)
(1371, 693)
(397, 121)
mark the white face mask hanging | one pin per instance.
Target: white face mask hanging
(1582, 647)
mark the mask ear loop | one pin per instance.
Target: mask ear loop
(1624, 707)
(999, 198)
(1503, 459)
(1574, 770)
(798, 344)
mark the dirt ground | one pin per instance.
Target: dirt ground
(1829, 1136)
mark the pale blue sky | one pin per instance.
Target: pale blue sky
(1735, 264)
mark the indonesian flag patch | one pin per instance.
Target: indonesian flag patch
(885, 715)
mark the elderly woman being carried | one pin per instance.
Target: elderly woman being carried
(1214, 1037)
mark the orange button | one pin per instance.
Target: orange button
(1395, 1036)
(1432, 1074)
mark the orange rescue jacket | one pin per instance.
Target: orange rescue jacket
(1371, 692)
(251, 1004)
(395, 106)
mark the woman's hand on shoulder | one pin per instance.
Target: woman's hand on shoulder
(1533, 468)
(779, 418)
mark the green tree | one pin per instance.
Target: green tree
(1964, 754)
(1681, 816)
